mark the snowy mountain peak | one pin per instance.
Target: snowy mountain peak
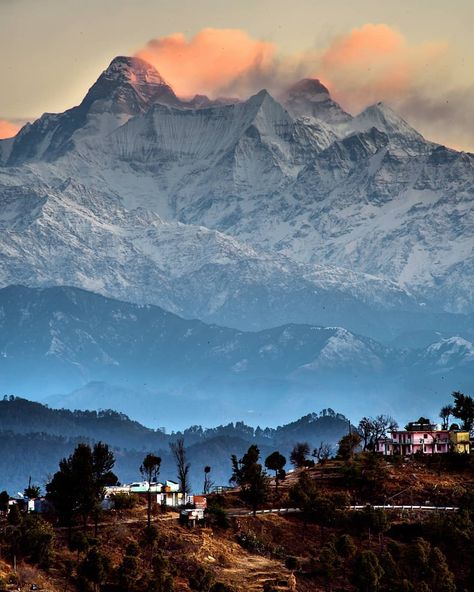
(265, 105)
(451, 351)
(384, 118)
(310, 89)
(130, 85)
(133, 70)
(310, 98)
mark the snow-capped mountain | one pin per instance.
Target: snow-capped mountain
(310, 98)
(94, 346)
(284, 197)
(71, 235)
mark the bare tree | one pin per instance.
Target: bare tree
(179, 452)
(366, 428)
(372, 430)
(383, 425)
(322, 452)
(208, 482)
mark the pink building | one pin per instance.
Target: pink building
(424, 438)
(411, 442)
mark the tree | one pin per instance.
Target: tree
(79, 542)
(464, 410)
(61, 491)
(249, 474)
(299, 454)
(445, 413)
(208, 482)
(368, 572)
(348, 445)
(78, 487)
(329, 562)
(33, 539)
(201, 580)
(4, 499)
(103, 461)
(322, 453)
(128, 571)
(345, 546)
(442, 579)
(94, 569)
(32, 491)
(372, 430)
(315, 506)
(179, 453)
(150, 469)
(276, 462)
(417, 559)
(365, 429)
(162, 579)
(14, 515)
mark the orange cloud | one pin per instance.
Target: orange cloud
(374, 63)
(8, 129)
(207, 62)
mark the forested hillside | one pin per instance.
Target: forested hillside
(34, 438)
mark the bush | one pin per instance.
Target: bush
(345, 546)
(251, 542)
(368, 572)
(221, 587)
(292, 563)
(124, 501)
(33, 540)
(93, 570)
(79, 542)
(201, 580)
(218, 515)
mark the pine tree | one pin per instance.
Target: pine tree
(368, 572)
(249, 474)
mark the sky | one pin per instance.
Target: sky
(416, 55)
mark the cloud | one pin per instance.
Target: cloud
(374, 63)
(371, 63)
(208, 61)
(444, 117)
(8, 129)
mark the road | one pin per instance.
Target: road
(236, 512)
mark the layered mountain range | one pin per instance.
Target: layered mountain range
(249, 214)
(51, 434)
(85, 351)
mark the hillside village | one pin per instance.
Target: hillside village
(358, 518)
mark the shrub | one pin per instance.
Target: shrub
(124, 501)
(292, 563)
(345, 546)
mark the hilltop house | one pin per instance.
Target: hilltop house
(166, 494)
(424, 438)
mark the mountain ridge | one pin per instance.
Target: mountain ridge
(369, 194)
(245, 215)
(94, 352)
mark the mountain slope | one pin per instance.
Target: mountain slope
(313, 184)
(68, 234)
(151, 364)
(50, 434)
